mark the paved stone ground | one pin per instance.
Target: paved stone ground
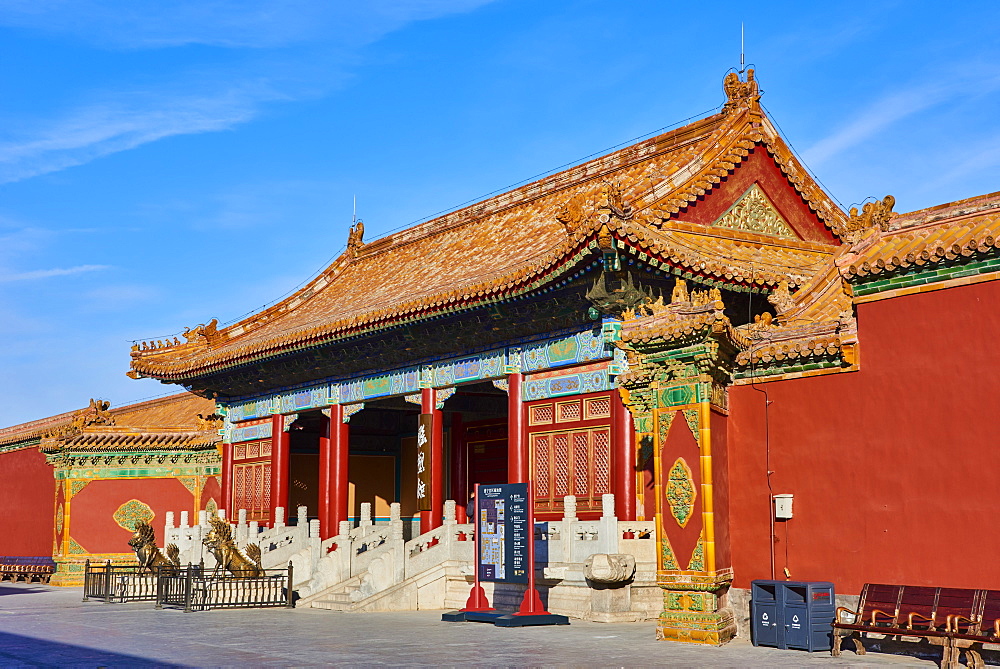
(46, 626)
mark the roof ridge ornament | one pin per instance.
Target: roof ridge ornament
(203, 334)
(97, 413)
(740, 93)
(571, 214)
(873, 215)
(355, 239)
(612, 203)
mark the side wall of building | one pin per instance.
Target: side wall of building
(894, 469)
(27, 501)
(103, 511)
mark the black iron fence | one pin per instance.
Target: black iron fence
(117, 583)
(195, 590)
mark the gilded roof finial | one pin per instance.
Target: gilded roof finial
(740, 93)
(355, 239)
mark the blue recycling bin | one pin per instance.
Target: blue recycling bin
(792, 614)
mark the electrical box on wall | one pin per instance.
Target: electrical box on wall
(783, 507)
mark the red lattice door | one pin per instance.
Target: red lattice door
(252, 489)
(573, 462)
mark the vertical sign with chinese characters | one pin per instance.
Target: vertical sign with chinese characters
(424, 432)
(504, 532)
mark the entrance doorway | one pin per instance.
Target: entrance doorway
(382, 458)
(303, 464)
(475, 420)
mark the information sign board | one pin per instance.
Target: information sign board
(503, 531)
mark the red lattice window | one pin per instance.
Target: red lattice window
(542, 457)
(560, 464)
(540, 414)
(253, 450)
(265, 449)
(597, 407)
(573, 462)
(239, 487)
(249, 491)
(568, 412)
(266, 497)
(240, 452)
(601, 440)
(580, 468)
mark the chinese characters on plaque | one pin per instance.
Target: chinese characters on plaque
(424, 461)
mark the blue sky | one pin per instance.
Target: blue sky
(165, 163)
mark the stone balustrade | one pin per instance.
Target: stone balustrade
(372, 557)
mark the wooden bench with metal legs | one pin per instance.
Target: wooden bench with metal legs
(911, 611)
(969, 633)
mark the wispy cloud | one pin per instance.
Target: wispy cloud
(119, 297)
(224, 23)
(877, 116)
(210, 101)
(896, 106)
(984, 155)
(97, 130)
(49, 273)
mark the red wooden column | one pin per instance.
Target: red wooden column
(279, 466)
(333, 478)
(325, 504)
(517, 444)
(341, 483)
(433, 518)
(227, 481)
(623, 459)
(459, 467)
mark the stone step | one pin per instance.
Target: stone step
(330, 605)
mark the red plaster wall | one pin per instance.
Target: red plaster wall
(27, 499)
(720, 488)
(895, 468)
(92, 524)
(212, 490)
(759, 167)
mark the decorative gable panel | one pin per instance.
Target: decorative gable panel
(754, 212)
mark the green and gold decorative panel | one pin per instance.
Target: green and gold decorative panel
(133, 512)
(681, 492)
(77, 485)
(698, 557)
(189, 482)
(667, 558)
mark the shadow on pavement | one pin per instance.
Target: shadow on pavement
(8, 590)
(24, 651)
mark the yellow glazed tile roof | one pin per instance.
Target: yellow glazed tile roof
(164, 423)
(510, 244)
(945, 233)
